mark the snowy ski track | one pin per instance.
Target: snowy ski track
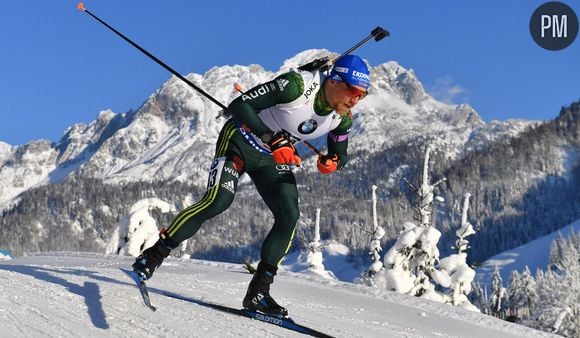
(87, 295)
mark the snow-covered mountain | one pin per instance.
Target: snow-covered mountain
(172, 135)
(72, 294)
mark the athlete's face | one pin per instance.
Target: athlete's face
(343, 96)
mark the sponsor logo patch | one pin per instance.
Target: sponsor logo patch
(262, 90)
(269, 319)
(311, 90)
(282, 167)
(308, 127)
(229, 186)
(360, 75)
(231, 172)
(282, 83)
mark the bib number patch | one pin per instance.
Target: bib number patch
(215, 172)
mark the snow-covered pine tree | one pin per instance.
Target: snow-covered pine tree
(514, 296)
(425, 207)
(555, 250)
(411, 262)
(375, 248)
(557, 309)
(466, 228)
(478, 297)
(460, 274)
(497, 294)
(529, 294)
(314, 248)
(548, 309)
(138, 230)
(375, 251)
(314, 256)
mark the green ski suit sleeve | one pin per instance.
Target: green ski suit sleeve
(246, 107)
(337, 140)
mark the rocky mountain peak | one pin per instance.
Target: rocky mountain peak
(172, 135)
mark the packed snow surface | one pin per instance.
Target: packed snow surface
(80, 294)
(535, 255)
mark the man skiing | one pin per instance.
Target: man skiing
(266, 122)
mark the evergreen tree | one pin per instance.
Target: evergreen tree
(497, 305)
(514, 296)
(466, 228)
(138, 230)
(412, 260)
(478, 297)
(557, 309)
(375, 247)
(412, 264)
(425, 194)
(315, 259)
(314, 249)
(461, 275)
(528, 294)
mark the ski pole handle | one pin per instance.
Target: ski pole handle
(378, 33)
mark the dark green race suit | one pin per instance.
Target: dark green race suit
(275, 183)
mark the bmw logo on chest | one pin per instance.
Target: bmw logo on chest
(308, 127)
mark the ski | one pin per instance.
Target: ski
(284, 322)
(142, 288)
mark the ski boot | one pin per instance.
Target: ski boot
(151, 259)
(258, 296)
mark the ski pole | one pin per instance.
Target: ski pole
(324, 63)
(240, 90)
(81, 7)
(313, 148)
(378, 33)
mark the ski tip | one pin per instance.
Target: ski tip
(81, 6)
(129, 272)
(132, 274)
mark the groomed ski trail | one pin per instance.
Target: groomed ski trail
(80, 294)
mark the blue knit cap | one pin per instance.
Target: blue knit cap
(351, 69)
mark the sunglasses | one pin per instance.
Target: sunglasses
(353, 91)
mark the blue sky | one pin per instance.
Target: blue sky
(58, 66)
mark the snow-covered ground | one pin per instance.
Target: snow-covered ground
(535, 255)
(80, 294)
